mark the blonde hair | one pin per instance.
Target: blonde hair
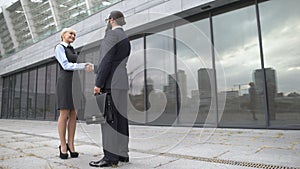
(65, 30)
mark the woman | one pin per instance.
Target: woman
(67, 57)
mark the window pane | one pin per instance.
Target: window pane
(5, 98)
(161, 83)
(280, 33)
(11, 96)
(195, 72)
(50, 92)
(40, 95)
(31, 94)
(89, 55)
(17, 96)
(24, 94)
(237, 57)
(135, 71)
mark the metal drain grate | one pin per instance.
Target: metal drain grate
(220, 161)
(243, 164)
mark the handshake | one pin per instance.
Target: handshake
(89, 67)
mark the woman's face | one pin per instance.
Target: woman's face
(69, 37)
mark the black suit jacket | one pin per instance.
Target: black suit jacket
(114, 51)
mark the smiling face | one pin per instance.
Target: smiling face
(68, 36)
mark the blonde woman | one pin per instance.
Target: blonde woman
(67, 57)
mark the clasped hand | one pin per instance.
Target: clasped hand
(89, 67)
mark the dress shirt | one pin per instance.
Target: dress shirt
(61, 57)
(118, 26)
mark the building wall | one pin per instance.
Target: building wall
(138, 14)
(223, 37)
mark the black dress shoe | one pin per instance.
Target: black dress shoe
(103, 163)
(62, 155)
(73, 154)
(96, 163)
(124, 159)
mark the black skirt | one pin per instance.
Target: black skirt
(64, 93)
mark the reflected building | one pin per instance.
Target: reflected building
(205, 79)
(181, 80)
(170, 89)
(270, 78)
(271, 88)
(172, 93)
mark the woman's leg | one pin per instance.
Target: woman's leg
(71, 129)
(62, 125)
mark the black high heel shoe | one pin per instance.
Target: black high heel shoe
(73, 154)
(62, 155)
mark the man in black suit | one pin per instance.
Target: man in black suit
(112, 77)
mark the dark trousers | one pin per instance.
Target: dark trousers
(115, 135)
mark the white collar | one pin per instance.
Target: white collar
(116, 27)
(65, 44)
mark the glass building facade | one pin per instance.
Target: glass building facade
(234, 66)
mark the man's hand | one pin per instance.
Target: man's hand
(97, 90)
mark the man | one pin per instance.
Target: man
(112, 78)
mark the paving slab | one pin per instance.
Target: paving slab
(24, 162)
(34, 144)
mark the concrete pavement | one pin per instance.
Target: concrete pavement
(34, 145)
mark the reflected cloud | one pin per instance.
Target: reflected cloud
(293, 68)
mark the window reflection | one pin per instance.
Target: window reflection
(24, 94)
(50, 92)
(5, 98)
(31, 94)
(88, 55)
(135, 71)
(40, 94)
(11, 96)
(92, 56)
(17, 95)
(195, 73)
(161, 82)
(280, 32)
(237, 57)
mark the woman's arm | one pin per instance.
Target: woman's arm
(61, 57)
